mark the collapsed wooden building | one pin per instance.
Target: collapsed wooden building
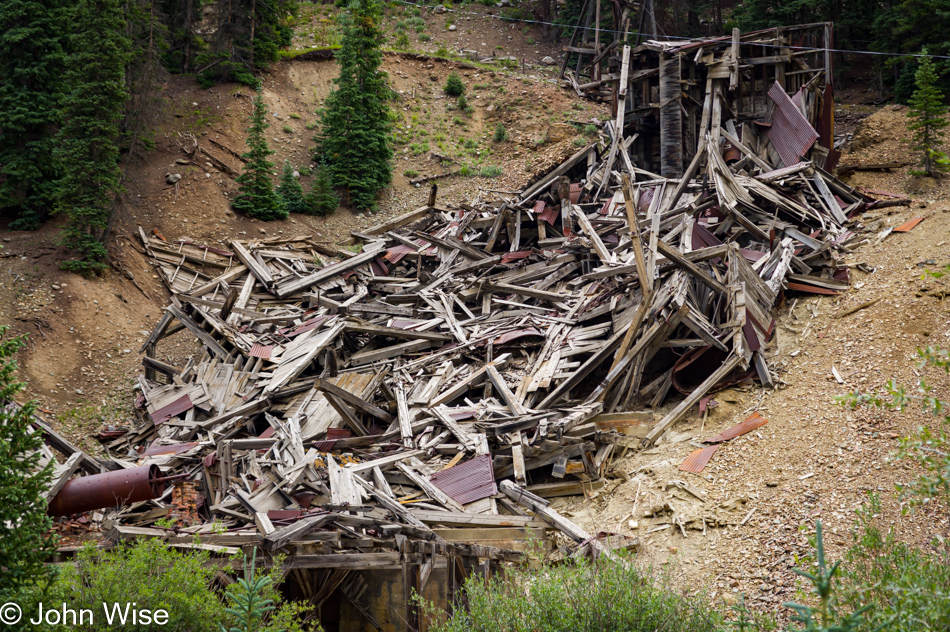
(406, 411)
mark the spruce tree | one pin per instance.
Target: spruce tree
(290, 191)
(88, 141)
(356, 123)
(25, 538)
(928, 118)
(256, 196)
(322, 199)
(31, 66)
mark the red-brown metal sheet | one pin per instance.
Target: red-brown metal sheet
(754, 421)
(468, 481)
(261, 351)
(538, 207)
(550, 214)
(811, 289)
(698, 459)
(177, 407)
(791, 134)
(508, 257)
(906, 226)
(575, 192)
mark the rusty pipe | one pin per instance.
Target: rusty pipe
(112, 489)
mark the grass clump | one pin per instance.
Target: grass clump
(288, 129)
(491, 171)
(590, 130)
(577, 597)
(410, 173)
(454, 86)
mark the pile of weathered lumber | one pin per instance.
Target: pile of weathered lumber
(466, 363)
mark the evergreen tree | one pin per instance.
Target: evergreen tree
(256, 196)
(25, 539)
(88, 141)
(928, 118)
(31, 65)
(356, 123)
(248, 35)
(290, 191)
(322, 199)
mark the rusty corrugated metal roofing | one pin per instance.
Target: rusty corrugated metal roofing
(575, 192)
(550, 214)
(338, 433)
(261, 351)
(698, 459)
(754, 421)
(177, 407)
(791, 133)
(538, 206)
(394, 254)
(468, 481)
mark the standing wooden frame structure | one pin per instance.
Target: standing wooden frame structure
(663, 88)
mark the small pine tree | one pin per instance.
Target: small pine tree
(256, 196)
(454, 86)
(290, 191)
(928, 118)
(356, 122)
(25, 538)
(322, 199)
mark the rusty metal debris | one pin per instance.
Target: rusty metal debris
(755, 420)
(698, 459)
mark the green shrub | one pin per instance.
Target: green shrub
(410, 173)
(418, 149)
(491, 171)
(425, 37)
(501, 134)
(466, 171)
(578, 142)
(909, 587)
(290, 191)
(578, 596)
(288, 129)
(590, 130)
(295, 116)
(155, 577)
(454, 86)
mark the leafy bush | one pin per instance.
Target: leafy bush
(491, 171)
(577, 597)
(590, 130)
(501, 134)
(909, 587)
(578, 142)
(454, 86)
(183, 584)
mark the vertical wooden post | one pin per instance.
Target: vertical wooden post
(433, 190)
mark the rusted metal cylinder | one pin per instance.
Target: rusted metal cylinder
(731, 154)
(112, 489)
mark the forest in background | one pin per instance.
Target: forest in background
(81, 82)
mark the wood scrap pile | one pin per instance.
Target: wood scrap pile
(467, 363)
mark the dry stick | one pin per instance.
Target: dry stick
(857, 308)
